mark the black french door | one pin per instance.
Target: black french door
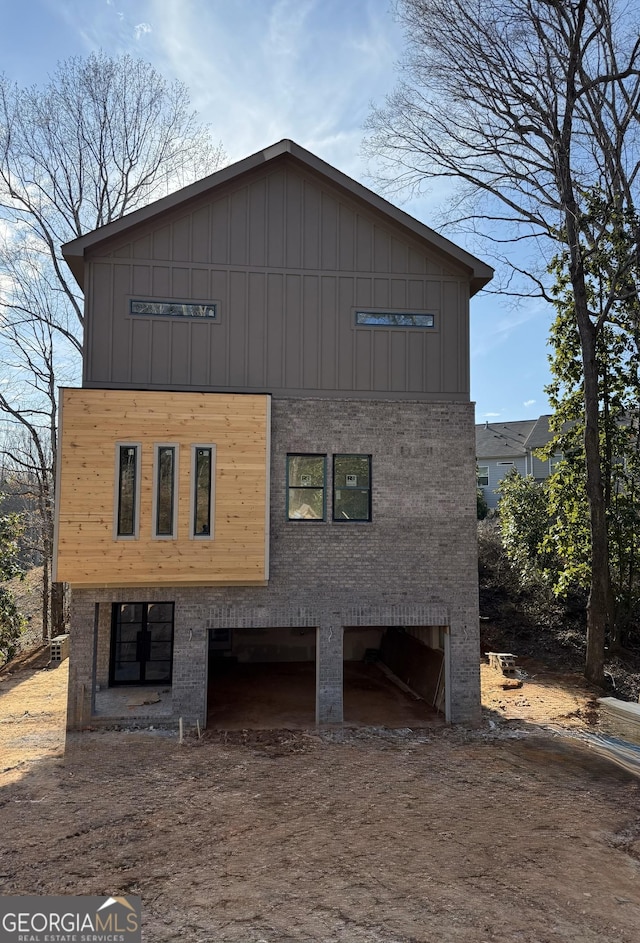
(141, 643)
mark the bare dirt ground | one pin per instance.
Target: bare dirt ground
(509, 832)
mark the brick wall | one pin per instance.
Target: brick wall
(415, 563)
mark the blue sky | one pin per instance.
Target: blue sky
(262, 70)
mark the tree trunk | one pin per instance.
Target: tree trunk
(600, 604)
(58, 621)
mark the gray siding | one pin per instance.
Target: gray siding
(287, 257)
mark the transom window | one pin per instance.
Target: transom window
(175, 309)
(352, 487)
(306, 482)
(395, 319)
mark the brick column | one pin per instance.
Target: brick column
(329, 673)
(81, 660)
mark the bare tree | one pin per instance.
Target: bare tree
(103, 137)
(527, 106)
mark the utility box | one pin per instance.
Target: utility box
(59, 648)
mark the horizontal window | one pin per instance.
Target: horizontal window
(395, 319)
(175, 309)
(352, 487)
(306, 476)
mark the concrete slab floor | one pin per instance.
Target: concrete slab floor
(282, 695)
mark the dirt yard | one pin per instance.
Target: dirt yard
(511, 832)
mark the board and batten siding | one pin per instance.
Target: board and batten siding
(93, 422)
(288, 258)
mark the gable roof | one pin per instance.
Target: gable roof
(74, 252)
(503, 439)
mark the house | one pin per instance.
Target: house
(271, 457)
(502, 447)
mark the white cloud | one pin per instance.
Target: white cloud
(529, 402)
(141, 29)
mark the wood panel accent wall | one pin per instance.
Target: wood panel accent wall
(93, 421)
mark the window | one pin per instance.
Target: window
(164, 496)
(202, 478)
(554, 461)
(141, 643)
(395, 319)
(128, 489)
(352, 487)
(482, 476)
(174, 309)
(306, 475)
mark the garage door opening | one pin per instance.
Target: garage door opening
(261, 678)
(394, 676)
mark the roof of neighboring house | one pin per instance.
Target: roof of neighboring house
(503, 439)
(540, 434)
(74, 251)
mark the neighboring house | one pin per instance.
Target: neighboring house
(504, 446)
(271, 456)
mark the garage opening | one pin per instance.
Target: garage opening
(394, 676)
(261, 678)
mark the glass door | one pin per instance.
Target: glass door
(141, 643)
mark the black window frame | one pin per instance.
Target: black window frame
(323, 487)
(144, 308)
(133, 533)
(158, 448)
(193, 513)
(352, 520)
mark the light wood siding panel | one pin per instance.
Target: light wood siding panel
(95, 420)
(286, 257)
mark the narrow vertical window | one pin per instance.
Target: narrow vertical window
(202, 466)
(127, 477)
(165, 487)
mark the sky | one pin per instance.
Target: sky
(262, 70)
